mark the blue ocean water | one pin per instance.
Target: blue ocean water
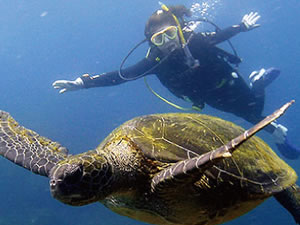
(42, 41)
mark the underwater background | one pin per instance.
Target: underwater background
(43, 41)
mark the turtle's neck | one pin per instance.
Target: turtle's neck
(127, 164)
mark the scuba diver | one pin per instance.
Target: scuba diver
(193, 68)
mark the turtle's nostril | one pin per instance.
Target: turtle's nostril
(52, 183)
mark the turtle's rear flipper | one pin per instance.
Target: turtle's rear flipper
(26, 148)
(290, 199)
(191, 169)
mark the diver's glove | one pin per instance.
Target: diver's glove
(249, 21)
(68, 85)
(284, 146)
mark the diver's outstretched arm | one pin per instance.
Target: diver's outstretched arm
(248, 23)
(105, 79)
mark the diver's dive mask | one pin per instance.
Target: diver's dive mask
(159, 38)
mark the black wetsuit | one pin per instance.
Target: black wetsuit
(215, 82)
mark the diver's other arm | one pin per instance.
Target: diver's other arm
(87, 81)
(248, 23)
(68, 85)
(106, 79)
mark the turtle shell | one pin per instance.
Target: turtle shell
(173, 137)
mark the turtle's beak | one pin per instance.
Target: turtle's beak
(69, 195)
(68, 186)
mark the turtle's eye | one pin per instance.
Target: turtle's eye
(73, 174)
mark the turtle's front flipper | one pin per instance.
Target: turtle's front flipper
(191, 168)
(26, 148)
(290, 199)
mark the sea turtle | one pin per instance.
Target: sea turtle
(173, 168)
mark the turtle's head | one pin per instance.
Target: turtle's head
(80, 180)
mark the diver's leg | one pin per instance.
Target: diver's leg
(278, 131)
(290, 199)
(259, 80)
(279, 134)
(284, 146)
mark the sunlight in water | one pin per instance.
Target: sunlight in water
(205, 9)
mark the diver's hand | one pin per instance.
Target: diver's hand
(249, 21)
(68, 85)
